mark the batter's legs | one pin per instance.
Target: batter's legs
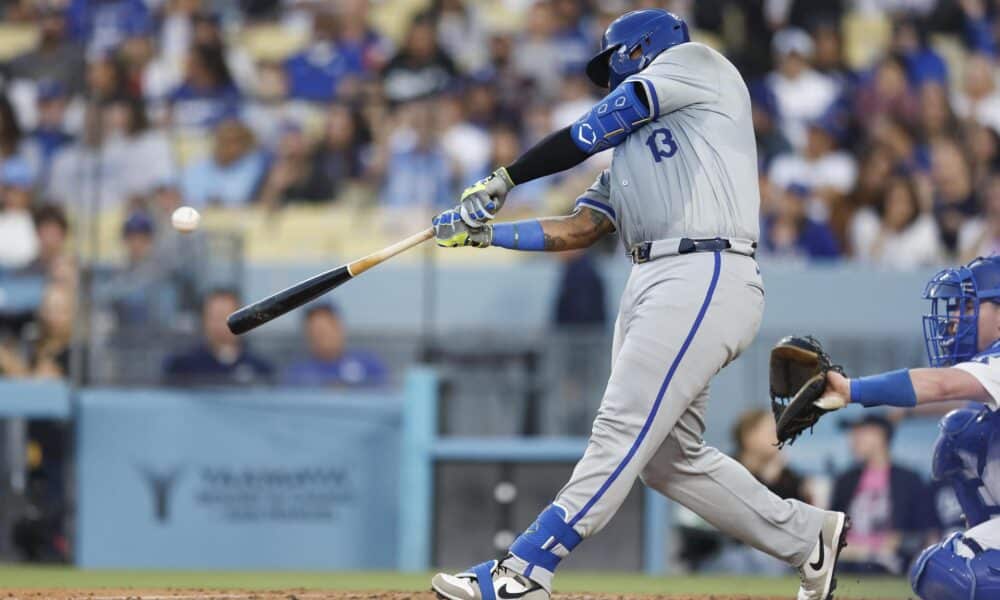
(725, 494)
(681, 322)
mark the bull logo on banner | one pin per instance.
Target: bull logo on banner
(161, 484)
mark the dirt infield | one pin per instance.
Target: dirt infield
(199, 594)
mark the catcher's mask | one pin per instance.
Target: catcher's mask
(650, 31)
(951, 330)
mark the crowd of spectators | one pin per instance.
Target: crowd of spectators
(878, 148)
(224, 359)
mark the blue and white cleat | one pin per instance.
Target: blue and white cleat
(487, 581)
(818, 573)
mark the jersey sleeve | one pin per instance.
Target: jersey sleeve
(598, 197)
(987, 372)
(682, 76)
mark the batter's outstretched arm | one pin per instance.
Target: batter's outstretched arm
(550, 234)
(571, 232)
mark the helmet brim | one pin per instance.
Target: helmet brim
(598, 69)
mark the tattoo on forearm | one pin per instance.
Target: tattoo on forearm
(554, 242)
(575, 230)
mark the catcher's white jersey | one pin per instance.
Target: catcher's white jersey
(692, 170)
(986, 369)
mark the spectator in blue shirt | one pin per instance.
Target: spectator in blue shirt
(208, 94)
(50, 134)
(231, 175)
(789, 231)
(358, 39)
(419, 173)
(923, 64)
(143, 293)
(580, 296)
(329, 362)
(222, 358)
(103, 24)
(978, 27)
(315, 73)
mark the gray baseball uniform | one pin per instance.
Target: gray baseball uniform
(690, 172)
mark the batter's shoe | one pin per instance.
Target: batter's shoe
(488, 581)
(818, 573)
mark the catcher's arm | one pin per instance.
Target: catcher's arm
(929, 385)
(805, 385)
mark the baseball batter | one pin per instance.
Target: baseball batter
(682, 194)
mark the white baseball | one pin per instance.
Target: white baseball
(185, 219)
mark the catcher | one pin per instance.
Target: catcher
(962, 333)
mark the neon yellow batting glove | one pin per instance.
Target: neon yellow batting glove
(450, 231)
(481, 201)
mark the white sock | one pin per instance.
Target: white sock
(542, 577)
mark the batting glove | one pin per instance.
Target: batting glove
(450, 231)
(482, 200)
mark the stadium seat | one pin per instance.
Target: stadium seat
(16, 39)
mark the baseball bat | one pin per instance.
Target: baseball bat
(270, 308)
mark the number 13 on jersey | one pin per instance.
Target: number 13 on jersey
(662, 144)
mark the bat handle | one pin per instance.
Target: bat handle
(363, 264)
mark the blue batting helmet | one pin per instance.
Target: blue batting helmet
(652, 30)
(951, 330)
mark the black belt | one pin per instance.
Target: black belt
(643, 251)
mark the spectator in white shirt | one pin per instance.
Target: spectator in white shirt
(467, 144)
(896, 233)
(979, 98)
(802, 93)
(820, 166)
(145, 154)
(18, 239)
(87, 175)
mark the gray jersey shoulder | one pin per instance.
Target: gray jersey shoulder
(692, 170)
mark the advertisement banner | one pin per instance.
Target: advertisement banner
(274, 479)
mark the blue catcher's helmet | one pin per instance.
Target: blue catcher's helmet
(652, 30)
(951, 328)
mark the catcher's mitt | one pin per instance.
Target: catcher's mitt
(798, 378)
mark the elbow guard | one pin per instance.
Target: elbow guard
(608, 124)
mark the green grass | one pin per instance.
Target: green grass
(617, 583)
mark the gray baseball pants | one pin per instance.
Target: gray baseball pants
(682, 319)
